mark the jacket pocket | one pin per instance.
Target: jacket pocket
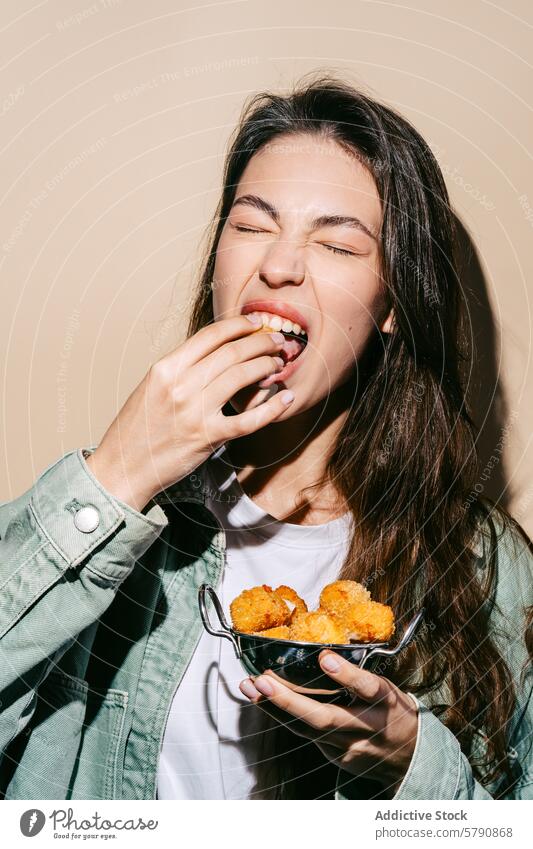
(46, 751)
(97, 772)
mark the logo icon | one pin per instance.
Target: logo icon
(32, 822)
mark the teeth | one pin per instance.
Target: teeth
(276, 322)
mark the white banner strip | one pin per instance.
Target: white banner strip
(267, 823)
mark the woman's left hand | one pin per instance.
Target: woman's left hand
(375, 736)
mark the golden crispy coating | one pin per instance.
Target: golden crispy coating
(258, 609)
(318, 626)
(370, 622)
(294, 602)
(339, 596)
(279, 633)
(346, 613)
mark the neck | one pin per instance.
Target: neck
(276, 463)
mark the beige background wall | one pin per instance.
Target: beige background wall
(115, 116)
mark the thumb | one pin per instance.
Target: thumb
(365, 685)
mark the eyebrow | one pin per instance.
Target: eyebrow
(321, 221)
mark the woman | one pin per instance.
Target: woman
(358, 461)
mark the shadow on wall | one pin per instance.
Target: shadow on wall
(485, 394)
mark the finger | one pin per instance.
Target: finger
(319, 716)
(236, 353)
(296, 726)
(247, 687)
(362, 683)
(335, 754)
(339, 737)
(261, 395)
(242, 375)
(338, 740)
(209, 339)
(251, 420)
(249, 398)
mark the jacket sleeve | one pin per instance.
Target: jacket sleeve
(438, 768)
(60, 569)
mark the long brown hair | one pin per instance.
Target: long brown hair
(416, 507)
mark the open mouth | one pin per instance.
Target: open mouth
(295, 336)
(293, 346)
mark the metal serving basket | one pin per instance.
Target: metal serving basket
(296, 664)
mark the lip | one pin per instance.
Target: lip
(281, 308)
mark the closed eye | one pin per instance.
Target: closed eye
(246, 229)
(336, 250)
(340, 250)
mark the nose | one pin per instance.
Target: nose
(283, 263)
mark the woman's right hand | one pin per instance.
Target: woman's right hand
(173, 420)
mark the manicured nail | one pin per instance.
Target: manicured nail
(248, 689)
(264, 686)
(330, 663)
(287, 396)
(255, 319)
(278, 337)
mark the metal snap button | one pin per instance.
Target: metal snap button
(87, 519)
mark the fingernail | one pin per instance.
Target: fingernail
(287, 396)
(248, 689)
(279, 361)
(330, 663)
(255, 319)
(278, 337)
(264, 686)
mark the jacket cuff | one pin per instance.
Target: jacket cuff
(436, 763)
(68, 486)
(434, 770)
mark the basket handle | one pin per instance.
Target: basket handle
(407, 636)
(227, 632)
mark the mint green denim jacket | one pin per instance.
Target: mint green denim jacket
(93, 647)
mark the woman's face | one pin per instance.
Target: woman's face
(274, 249)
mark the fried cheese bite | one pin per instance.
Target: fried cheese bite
(279, 633)
(257, 609)
(293, 600)
(339, 596)
(318, 626)
(264, 329)
(369, 622)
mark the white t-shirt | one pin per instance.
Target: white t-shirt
(210, 744)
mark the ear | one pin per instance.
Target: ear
(388, 324)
